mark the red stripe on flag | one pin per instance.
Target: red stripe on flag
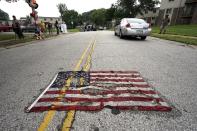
(122, 85)
(76, 99)
(116, 80)
(114, 72)
(102, 92)
(115, 75)
(144, 108)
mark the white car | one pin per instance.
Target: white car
(133, 27)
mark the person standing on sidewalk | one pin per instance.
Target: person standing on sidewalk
(16, 27)
(164, 25)
(49, 25)
(42, 29)
(42, 26)
(57, 27)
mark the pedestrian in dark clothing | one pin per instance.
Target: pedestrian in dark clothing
(57, 27)
(164, 24)
(16, 27)
(50, 28)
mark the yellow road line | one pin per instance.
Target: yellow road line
(50, 114)
(89, 58)
(67, 124)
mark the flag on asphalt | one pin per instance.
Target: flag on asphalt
(96, 90)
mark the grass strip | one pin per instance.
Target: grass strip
(12, 41)
(184, 30)
(182, 39)
(6, 36)
(74, 30)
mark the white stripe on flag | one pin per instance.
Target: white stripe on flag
(111, 95)
(106, 88)
(112, 83)
(102, 96)
(115, 78)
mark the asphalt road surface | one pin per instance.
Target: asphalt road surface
(169, 66)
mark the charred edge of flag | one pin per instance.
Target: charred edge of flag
(100, 107)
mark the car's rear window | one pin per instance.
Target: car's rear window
(135, 21)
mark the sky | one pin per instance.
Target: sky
(48, 8)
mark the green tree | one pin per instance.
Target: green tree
(71, 18)
(62, 8)
(110, 13)
(4, 15)
(98, 17)
(80, 19)
(86, 17)
(130, 8)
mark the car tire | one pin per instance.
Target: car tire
(143, 37)
(121, 35)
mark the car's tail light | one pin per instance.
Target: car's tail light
(147, 26)
(128, 25)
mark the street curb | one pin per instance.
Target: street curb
(183, 36)
(177, 43)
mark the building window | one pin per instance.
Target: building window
(168, 11)
(171, 0)
(188, 10)
(154, 10)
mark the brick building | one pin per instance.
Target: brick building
(150, 16)
(43, 19)
(50, 19)
(179, 11)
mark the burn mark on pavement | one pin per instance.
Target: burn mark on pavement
(114, 111)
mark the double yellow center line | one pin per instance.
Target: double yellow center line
(67, 124)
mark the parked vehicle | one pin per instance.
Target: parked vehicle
(28, 28)
(5, 28)
(101, 28)
(133, 27)
(90, 28)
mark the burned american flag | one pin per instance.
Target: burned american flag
(95, 90)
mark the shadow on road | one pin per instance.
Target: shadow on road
(129, 38)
